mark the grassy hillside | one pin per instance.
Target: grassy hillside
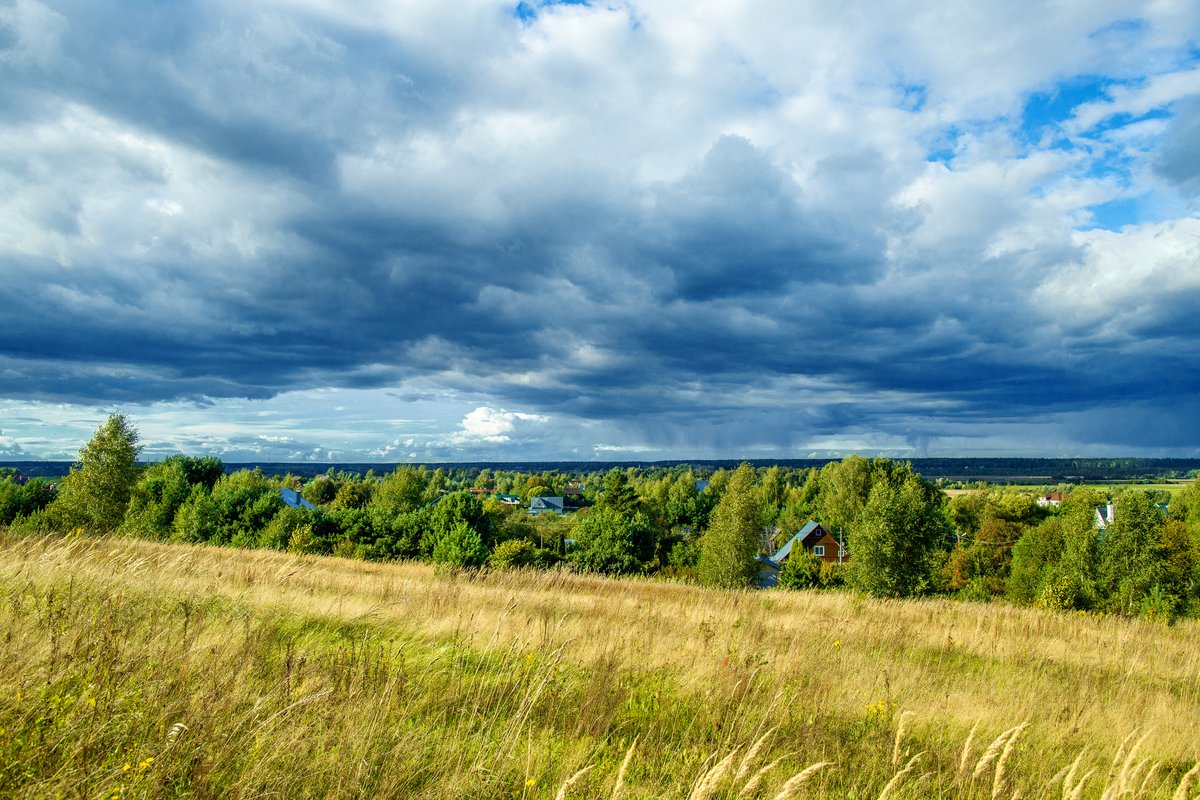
(135, 669)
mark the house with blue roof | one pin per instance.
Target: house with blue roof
(292, 499)
(543, 505)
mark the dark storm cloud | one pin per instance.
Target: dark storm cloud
(736, 227)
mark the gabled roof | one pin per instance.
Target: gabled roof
(545, 504)
(800, 536)
(292, 499)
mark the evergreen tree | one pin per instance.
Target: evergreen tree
(461, 546)
(618, 495)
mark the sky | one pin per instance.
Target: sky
(312, 230)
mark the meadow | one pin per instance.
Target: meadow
(132, 668)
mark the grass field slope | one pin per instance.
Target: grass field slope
(137, 669)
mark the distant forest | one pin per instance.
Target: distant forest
(1032, 471)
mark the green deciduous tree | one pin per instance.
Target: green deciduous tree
(460, 508)
(96, 492)
(1185, 505)
(1132, 560)
(607, 541)
(320, 490)
(198, 519)
(401, 491)
(980, 564)
(520, 553)
(17, 501)
(203, 470)
(352, 494)
(772, 494)
(844, 488)
(729, 547)
(1034, 559)
(897, 537)
(157, 497)
(1071, 583)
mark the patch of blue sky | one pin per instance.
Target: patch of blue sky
(528, 11)
(1113, 215)
(768, 97)
(1046, 111)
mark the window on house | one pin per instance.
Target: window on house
(841, 552)
(819, 550)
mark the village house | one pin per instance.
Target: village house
(542, 505)
(1052, 500)
(815, 539)
(293, 499)
(492, 494)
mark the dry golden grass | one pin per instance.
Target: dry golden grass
(259, 673)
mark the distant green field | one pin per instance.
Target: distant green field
(1112, 487)
(1169, 486)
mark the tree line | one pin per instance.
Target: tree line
(904, 537)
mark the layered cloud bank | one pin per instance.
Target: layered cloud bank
(425, 230)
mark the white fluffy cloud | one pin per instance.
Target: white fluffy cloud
(494, 425)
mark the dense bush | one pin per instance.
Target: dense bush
(801, 571)
(521, 553)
